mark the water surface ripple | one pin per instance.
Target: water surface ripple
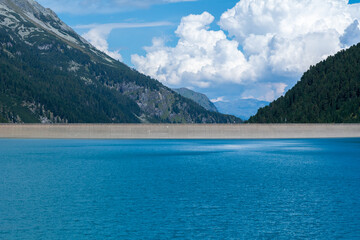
(180, 189)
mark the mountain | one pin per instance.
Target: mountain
(49, 73)
(199, 98)
(327, 93)
(242, 108)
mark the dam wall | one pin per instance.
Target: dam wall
(178, 131)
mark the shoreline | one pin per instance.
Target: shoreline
(178, 131)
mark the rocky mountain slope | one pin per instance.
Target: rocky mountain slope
(199, 98)
(48, 73)
(327, 93)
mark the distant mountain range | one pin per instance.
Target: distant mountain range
(199, 98)
(50, 74)
(327, 93)
(242, 108)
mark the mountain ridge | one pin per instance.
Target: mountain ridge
(242, 108)
(197, 97)
(51, 74)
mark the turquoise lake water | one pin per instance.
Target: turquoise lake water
(180, 189)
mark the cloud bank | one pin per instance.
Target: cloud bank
(201, 56)
(259, 43)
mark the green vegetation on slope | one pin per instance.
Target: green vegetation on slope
(29, 77)
(54, 76)
(327, 93)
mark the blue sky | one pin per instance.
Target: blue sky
(132, 40)
(227, 49)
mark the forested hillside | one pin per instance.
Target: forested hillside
(327, 93)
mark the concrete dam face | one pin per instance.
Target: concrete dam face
(179, 131)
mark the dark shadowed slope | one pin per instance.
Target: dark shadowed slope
(327, 93)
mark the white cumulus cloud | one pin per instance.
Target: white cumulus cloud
(352, 34)
(201, 56)
(266, 91)
(219, 99)
(98, 34)
(290, 35)
(98, 38)
(259, 42)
